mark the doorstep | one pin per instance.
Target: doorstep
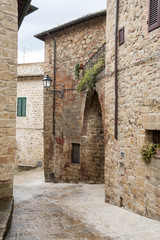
(6, 209)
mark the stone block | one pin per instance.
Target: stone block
(150, 121)
(140, 171)
(140, 181)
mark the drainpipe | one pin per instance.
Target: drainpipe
(54, 85)
(116, 73)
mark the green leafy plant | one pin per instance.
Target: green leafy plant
(148, 152)
(77, 70)
(87, 83)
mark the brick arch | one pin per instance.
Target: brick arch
(93, 144)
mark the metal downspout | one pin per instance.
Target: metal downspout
(54, 85)
(116, 72)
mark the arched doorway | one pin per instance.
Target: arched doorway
(93, 148)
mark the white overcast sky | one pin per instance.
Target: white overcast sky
(50, 14)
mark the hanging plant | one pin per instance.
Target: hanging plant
(77, 70)
(87, 83)
(148, 152)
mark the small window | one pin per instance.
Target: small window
(76, 153)
(154, 15)
(156, 136)
(21, 107)
(121, 36)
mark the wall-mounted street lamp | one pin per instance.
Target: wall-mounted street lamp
(47, 81)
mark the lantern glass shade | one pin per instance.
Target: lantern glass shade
(47, 81)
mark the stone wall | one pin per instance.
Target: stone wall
(29, 128)
(92, 157)
(8, 72)
(129, 181)
(74, 45)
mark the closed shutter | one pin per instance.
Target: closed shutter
(154, 14)
(23, 106)
(19, 106)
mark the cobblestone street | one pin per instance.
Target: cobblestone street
(36, 217)
(71, 211)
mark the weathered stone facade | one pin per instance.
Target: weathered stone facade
(11, 16)
(76, 43)
(29, 128)
(129, 181)
(8, 72)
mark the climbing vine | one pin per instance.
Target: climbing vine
(88, 81)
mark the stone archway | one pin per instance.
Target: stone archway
(93, 147)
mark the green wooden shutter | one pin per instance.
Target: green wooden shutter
(19, 107)
(23, 107)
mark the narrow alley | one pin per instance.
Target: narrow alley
(71, 211)
(37, 216)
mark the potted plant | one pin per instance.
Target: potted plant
(148, 151)
(157, 155)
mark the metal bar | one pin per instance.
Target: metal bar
(54, 84)
(116, 73)
(65, 89)
(56, 90)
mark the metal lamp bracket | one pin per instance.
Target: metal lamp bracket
(60, 93)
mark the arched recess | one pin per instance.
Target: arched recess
(93, 145)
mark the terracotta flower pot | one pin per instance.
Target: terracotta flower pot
(81, 66)
(157, 155)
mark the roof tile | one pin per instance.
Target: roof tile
(30, 69)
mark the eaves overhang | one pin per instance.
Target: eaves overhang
(85, 18)
(31, 9)
(24, 8)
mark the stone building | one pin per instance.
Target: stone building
(29, 122)
(132, 117)
(67, 123)
(11, 17)
(120, 116)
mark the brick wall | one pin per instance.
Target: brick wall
(8, 68)
(29, 129)
(74, 45)
(129, 181)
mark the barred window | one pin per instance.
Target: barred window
(154, 15)
(76, 153)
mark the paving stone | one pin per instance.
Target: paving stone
(46, 211)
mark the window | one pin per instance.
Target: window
(21, 107)
(76, 153)
(156, 136)
(121, 36)
(154, 15)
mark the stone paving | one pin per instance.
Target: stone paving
(6, 208)
(72, 211)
